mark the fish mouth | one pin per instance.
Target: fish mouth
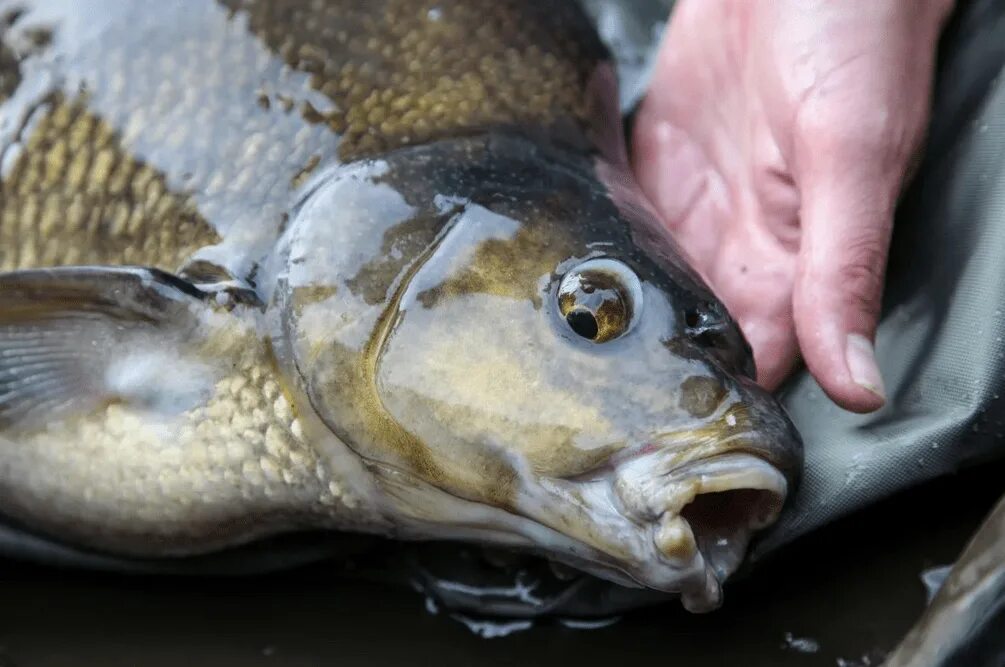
(689, 524)
(713, 509)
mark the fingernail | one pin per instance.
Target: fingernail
(861, 359)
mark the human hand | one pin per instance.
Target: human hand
(774, 141)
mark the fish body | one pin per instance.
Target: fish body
(356, 266)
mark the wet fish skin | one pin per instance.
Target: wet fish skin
(371, 209)
(962, 624)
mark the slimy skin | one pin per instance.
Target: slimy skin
(359, 266)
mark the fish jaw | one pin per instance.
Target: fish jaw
(683, 530)
(702, 516)
(660, 519)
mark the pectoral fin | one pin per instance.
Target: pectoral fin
(73, 339)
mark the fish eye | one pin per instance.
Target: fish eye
(600, 299)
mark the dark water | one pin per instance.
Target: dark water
(852, 589)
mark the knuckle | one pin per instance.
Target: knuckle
(850, 281)
(860, 276)
(850, 133)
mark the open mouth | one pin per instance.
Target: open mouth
(739, 495)
(703, 515)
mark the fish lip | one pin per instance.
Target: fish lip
(697, 544)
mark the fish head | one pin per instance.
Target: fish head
(524, 358)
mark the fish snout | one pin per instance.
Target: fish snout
(706, 492)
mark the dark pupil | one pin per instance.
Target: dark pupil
(583, 323)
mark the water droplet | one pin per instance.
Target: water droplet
(799, 644)
(982, 128)
(434, 14)
(490, 629)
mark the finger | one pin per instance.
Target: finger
(676, 176)
(855, 130)
(775, 350)
(849, 190)
(753, 275)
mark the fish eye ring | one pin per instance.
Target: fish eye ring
(600, 299)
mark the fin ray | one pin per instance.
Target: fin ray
(63, 330)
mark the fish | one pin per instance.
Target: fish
(356, 267)
(963, 621)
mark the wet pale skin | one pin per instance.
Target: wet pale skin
(416, 293)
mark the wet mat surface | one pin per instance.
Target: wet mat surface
(849, 591)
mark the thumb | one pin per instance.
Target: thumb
(849, 190)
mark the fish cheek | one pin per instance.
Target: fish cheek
(482, 377)
(385, 426)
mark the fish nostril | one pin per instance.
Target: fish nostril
(707, 325)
